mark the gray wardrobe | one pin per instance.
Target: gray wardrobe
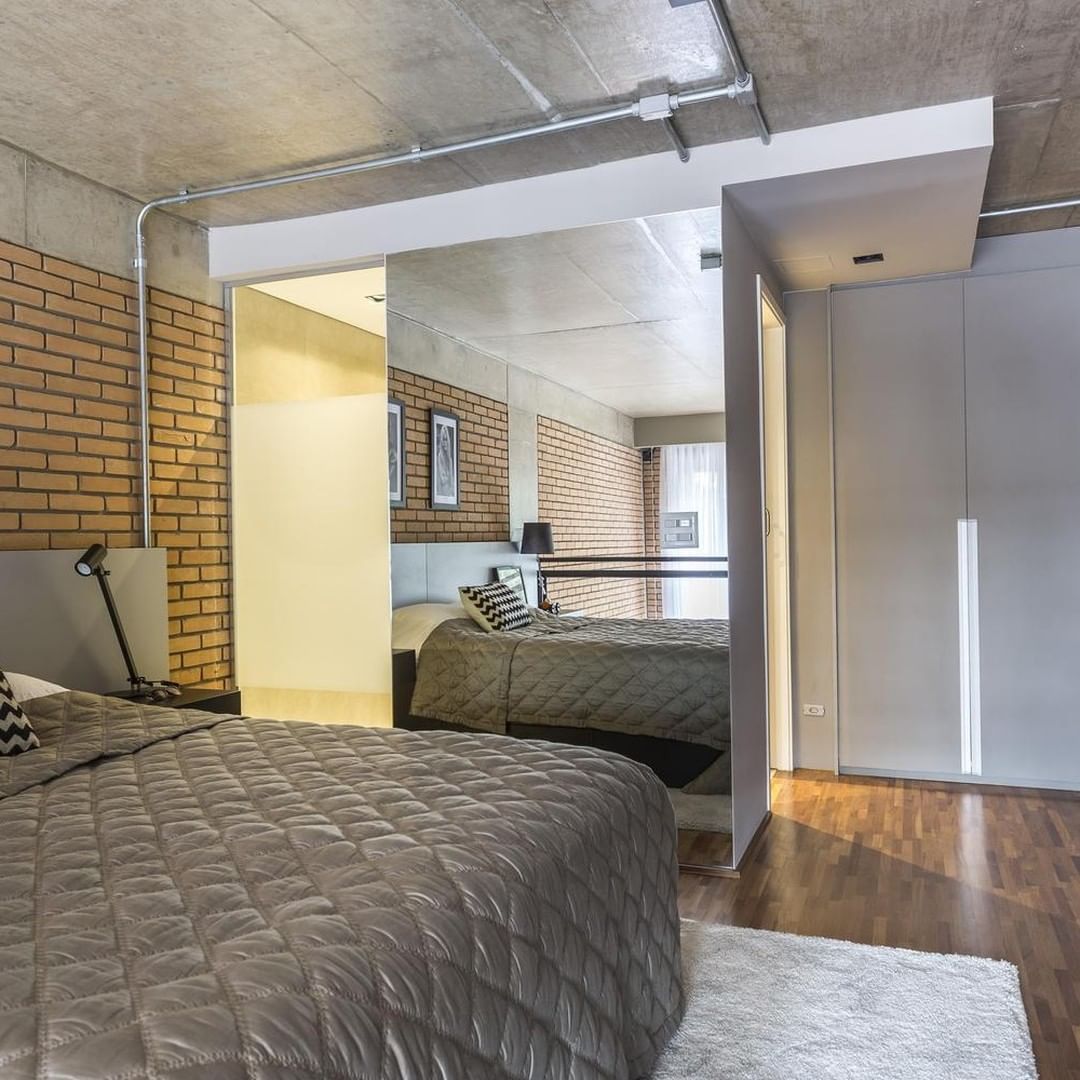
(957, 401)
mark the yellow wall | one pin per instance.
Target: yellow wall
(310, 515)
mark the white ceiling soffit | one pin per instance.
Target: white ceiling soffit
(346, 296)
(639, 187)
(622, 313)
(919, 213)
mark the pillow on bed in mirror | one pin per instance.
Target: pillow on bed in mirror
(494, 606)
(16, 734)
(412, 625)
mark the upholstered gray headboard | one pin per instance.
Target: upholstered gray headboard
(55, 625)
(431, 573)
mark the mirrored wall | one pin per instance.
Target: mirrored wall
(557, 415)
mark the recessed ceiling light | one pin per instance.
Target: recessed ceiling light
(873, 257)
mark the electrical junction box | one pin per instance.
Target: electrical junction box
(679, 529)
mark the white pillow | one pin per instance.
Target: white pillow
(412, 625)
(494, 607)
(25, 687)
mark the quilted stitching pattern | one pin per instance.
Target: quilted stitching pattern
(463, 675)
(271, 900)
(666, 678)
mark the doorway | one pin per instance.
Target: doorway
(772, 359)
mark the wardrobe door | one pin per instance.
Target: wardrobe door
(1023, 395)
(898, 385)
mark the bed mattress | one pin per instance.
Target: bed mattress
(187, 896)
(665, 678)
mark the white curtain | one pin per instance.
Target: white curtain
(692, 479)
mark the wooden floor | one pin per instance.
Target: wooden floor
(946, 868)
(699, 848)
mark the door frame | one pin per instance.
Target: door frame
(782, 755)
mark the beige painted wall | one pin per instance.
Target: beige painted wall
(291, 354)
(312, 534)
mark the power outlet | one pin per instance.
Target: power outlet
(813, 710)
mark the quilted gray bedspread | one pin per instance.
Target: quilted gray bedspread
(667, 678)
(186, 896)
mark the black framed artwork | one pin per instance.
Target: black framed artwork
(514, 580)
(445, 477)
(395, 419)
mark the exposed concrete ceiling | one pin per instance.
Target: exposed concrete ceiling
(149, 98)
(357, 297)
(622, 313)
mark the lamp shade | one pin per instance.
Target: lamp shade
(536, 539)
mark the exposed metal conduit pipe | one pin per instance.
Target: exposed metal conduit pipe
(742, 76)
(650, 107)
(1030, 208)
(676, 139)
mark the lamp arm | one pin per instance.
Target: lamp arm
(134, 677)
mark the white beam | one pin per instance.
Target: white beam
(615, 191)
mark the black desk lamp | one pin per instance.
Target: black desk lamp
(92, 564)
(537, 539)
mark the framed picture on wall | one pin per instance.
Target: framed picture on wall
(512, 577)
(395, 418)
(445, 480)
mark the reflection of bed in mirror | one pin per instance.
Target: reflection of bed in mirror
(655, 691)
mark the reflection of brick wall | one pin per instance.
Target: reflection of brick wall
(484, 513)
(650, 489)
(590, 490)
(69, 454)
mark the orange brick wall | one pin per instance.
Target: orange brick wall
(484, 464)
(650, 487)
(69, 454)
(590, 489)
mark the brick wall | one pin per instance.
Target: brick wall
(590, 489)
(650, 490)
(69, 457)
(484, 464)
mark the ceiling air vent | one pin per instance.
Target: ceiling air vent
(873, 257)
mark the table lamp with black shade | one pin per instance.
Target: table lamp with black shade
(537, 539)
(92, 564)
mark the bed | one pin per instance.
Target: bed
(188, 895)
(657, 690)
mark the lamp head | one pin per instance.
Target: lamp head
(90, 561)
(537, 538)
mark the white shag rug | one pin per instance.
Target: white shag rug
(768, 1006)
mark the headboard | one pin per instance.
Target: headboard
(55, 625)
(431, 573)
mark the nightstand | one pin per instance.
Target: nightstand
(215, 701)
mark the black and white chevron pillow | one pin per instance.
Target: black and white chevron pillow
(16, 734)
(494, 606)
